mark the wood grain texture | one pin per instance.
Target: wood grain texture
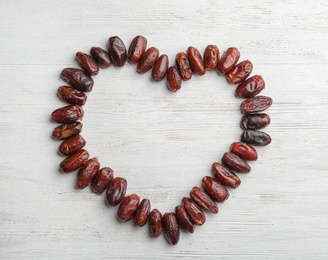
(164, 143)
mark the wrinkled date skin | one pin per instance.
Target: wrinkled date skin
(155, 223)
(171, 228)
(173, 79)
(87, 172)
(183, 219)
(78, 79)
(160, 68)
(244, 151)
(67, 114)
(88, 63)
(211, 57)
(148, 60)
(116, 191)
(195, 61)
(203, 200)
(102, 180)
(128, 207)
(240, 72)
(195, 213)
(255, 104)
(71, 95)
(117, 51)
(74, 161)
(228, 60)
(235, 163)
(251, 87)
(64, 131)
(256, 138)
(215, 189)
(225, 176)
(255, 121)
(101, 57)
(142, 213)
(183, 65)
(137, 48)
(72, 145)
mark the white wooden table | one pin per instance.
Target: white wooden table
(164, 143)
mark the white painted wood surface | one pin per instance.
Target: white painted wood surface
(164, 143)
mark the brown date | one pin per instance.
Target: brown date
(244, 151)
(255, 104)
(128, 207)
(160, 68)
(117, 51)
(142, 213)
(184, 219)
(183, 65)
(240, 72)
(155, 223)
(116, 191)
(101, 57)
(67, 114)
(255, 121)
(203, 200)
(257, 138)
(102, 180)
(225, 176)
(88, 63)
(215, 189)
(173, 79)
(148, 60)
(195, 61)
(72, 145)
(74, 161)
(211, 57)
(66, 130)
(250, 87)
(228, 60)
(171, 228)
(195, 213)
(78, 79)
(235, 163)
(87, 172)
(137, 48)
(71, 95)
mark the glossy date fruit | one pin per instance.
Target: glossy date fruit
(195, 61)
(251, 87)
(184, 220)
(195, 213)
(88, 63)
(71, 95)
(67, 114)
(155, 223)
(87, 172)
(72, 145)
(255, 121)
(225, 176)
(240, 72)
(160, 68)
(256, 138)
(102, 180)
(78, 79)
(101, 57)
(203, 200)
(211, 57)
(183, 65)
(255, 104)
(173, 79)
(228, 60)
(142, 213)
(128, 207)
(235, 163)
(148, 60)
(137, 48)
(117, 51)
(244, 151)
(215, 189)
(171, 228)
(64, 131)
(116, 191)
(74, 161)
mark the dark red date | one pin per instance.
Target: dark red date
(225, 176)
(102, 180)
(228, 60)
(101, 57)
(244, 151)
(211, 57)
(160, 68)
(183, 65)
(255, 121)
(87, 172)
(256, 138)
(71, 95)
(148, 60)
(88, 63)
(215, 189)
(173, 79)
(235, 163)
(78, 79)
(184, 219)
(128, 207)
(251, 87)
(203, 200)
(74, 161)
(67, 114)
(116, 191)
(255, 104)
(72, 145)
(142, 213)
(155, 223)
(117, 51)
(171, 228)
(195, 213)
(195, 61)
(64, 131)
(240, 72)
(137, 48)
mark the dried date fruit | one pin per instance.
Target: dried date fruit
(183, 65)
(203, 200)
(67, 114)
(64, 131)
(116, 191)
(195, 61)
(87, 172)
(102, 180)
(228, 60)
(148, 60)
(137, 48)
(244, 151)
(88, 63)
(74, 161)
(225, 176)
(184, 219)
(240, 72)
(173, 79)
(78, 79)
(235, 163)
(155, 223)
(171, 228)
(101, 57)
(160, 68)
(215, 189)
(255, 104)
(256, 138)
(251, 87)
(71, 95)
(117, 51)
(195, 213)
(128, 207)
(72, 145)
(211, 57)
(255, 121)
(142, 213)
